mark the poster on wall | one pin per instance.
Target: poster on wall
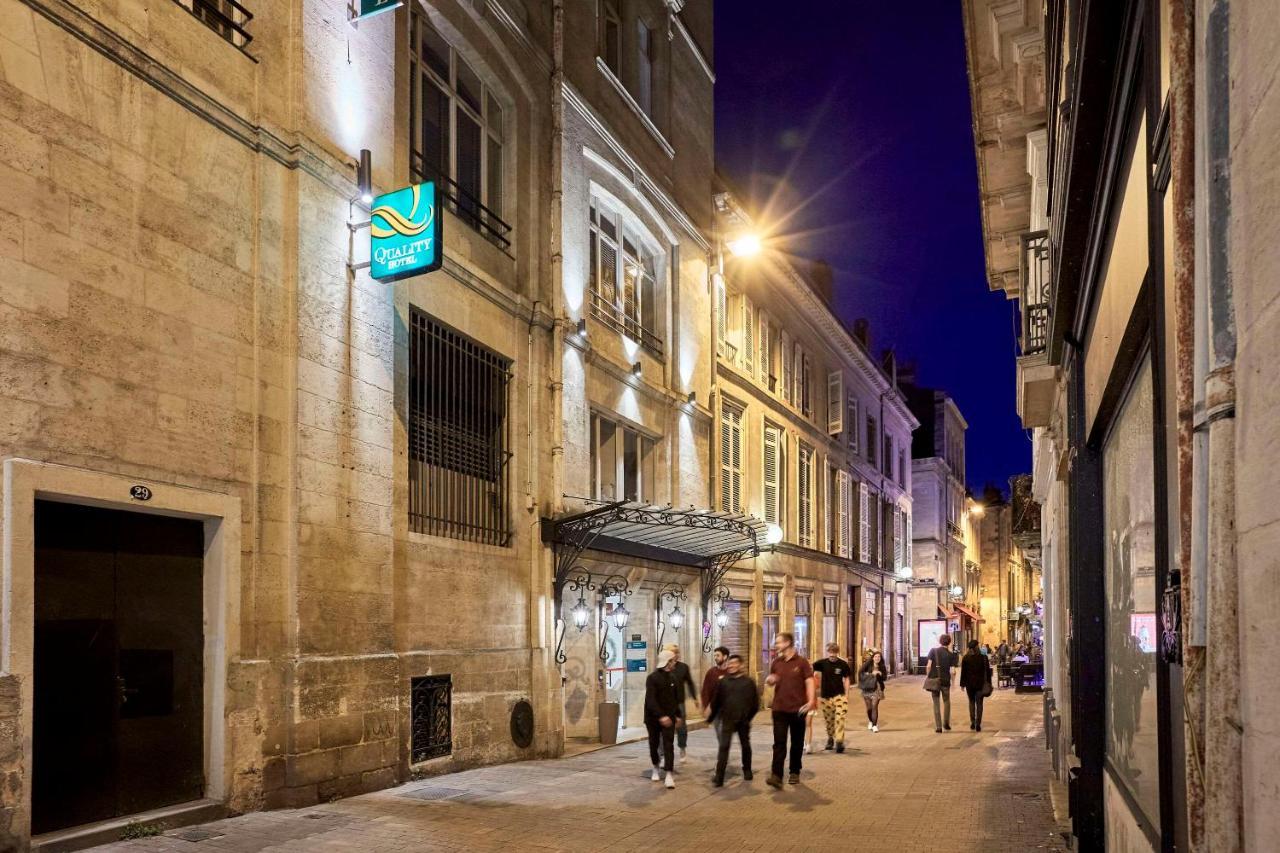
(927, 633)
(1142, 627)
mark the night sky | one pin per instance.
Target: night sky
(851, 122)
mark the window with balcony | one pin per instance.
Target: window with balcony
(456, 131)
(623, 276)
(623, 462)
(1034, 303)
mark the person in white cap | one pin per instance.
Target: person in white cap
(661, 709)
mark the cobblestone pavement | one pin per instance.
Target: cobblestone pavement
(902, 789)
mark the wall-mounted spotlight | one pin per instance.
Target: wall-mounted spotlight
(582, 327)
(692, 399)
(636, 369)
(364, 176)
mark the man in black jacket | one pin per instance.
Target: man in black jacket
(661, 709)
(735, 704)
(683, 677)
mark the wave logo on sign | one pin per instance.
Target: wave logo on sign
(404, 233)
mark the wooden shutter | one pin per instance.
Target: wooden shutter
(766, 362)
(897, 539)
(772, 458)
(730, 459)
(835, 402)
(798, 368)
(864, 524)
(786, 366)
(842, 514)
(748, 337)
(804, 483)
(806, 388)
(851, 425)
(722, 313)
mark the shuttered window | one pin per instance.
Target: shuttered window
(797, 356)
(851, 426)
(787, 359)
(772, 474)
(897, 540)
(748, 336)
(722, 314)
(766, 355)
(864, 524)
(806, 388)
(843, 489)
(835, 402)
(804, 485)
(730, 458)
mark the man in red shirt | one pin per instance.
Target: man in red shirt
(793, 696)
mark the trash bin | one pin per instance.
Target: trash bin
(608, 714)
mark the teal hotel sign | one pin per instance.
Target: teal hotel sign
(404, 233)
(368, 8)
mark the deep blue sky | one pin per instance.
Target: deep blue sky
(859, 110)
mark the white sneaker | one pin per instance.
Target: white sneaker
(875, 728)
(684, 756)
(656, 775)
(807, 749)
(671, 781)
(870, 727)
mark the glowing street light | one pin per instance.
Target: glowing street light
(772, 534)
(976, 510)
(745, 245)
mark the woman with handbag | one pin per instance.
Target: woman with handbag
(871, 684)
(975, 678)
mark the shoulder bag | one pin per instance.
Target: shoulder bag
(933, 684)
(868, 683)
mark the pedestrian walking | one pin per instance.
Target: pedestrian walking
(734, 704)
(1002, 651)
(661, 706)
(683, 678)
(871, 685)
(833, 674)
(975, 679)
(711, 678)
(937, 680)
(791, 677)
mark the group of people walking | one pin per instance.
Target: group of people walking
(730, 700)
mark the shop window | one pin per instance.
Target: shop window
(803, 601)
(1130, 574)
(769, 627)
(830, 611)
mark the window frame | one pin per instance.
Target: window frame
(647, 448)
(648, 257)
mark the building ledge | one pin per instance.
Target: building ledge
(1037, 381)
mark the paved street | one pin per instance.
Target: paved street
(903, 789)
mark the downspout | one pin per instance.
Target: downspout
(1214, 448)
(1183, 177)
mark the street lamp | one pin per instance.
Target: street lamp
(745, 245)
(674, 593)
(621, 616)
(957, 591)
(614, 586)
(772, 534)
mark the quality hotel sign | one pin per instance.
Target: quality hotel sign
(404, 229)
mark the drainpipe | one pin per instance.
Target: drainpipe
(1214, 568)
(1183, 178)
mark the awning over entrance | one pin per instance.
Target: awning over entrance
(700, 538)
(967, 612)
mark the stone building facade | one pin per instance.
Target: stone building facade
(812, 437)
(197, 370)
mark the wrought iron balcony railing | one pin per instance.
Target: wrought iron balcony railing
(466, 206)
(612, 315)
(227, 18)
(1035, 292)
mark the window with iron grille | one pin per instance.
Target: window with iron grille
(458, 435)
(455, 131)
(431, 717)
(227, 18)
(623, 277)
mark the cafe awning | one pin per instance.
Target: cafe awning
(967, 612)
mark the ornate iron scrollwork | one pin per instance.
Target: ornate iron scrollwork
(614, 585)
(1171, 619)
(674, 593)
(721, 616)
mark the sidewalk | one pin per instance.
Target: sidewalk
(985, 791)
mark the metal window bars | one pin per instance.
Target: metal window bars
(1035, 291)
(613, 316)
(227, 18)
(458, 436)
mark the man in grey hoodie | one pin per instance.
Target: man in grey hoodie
(735, 703)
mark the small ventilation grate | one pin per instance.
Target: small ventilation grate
(197, 834)
(434, 793)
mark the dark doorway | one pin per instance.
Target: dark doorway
(119, 664)
(855, 625)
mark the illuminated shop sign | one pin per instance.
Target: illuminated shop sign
(404, 233)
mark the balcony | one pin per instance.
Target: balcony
(613, 316)
(1037, 378)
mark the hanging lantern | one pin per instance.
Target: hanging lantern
(676, 618)
(581, 614)
(620, 616)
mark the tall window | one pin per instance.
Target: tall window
(457, 435)
(644, 67)
(730, 458)
(456, 131)
(902, 468)
(773, 468)
(843, 500)
(804, 485)
(888, 456)
(769, 627)
(623, 277)
(898, 553)
(873, 439)
(623, 462)
(864, 523)
(851, 426)
(803, 606)
(610, 36)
